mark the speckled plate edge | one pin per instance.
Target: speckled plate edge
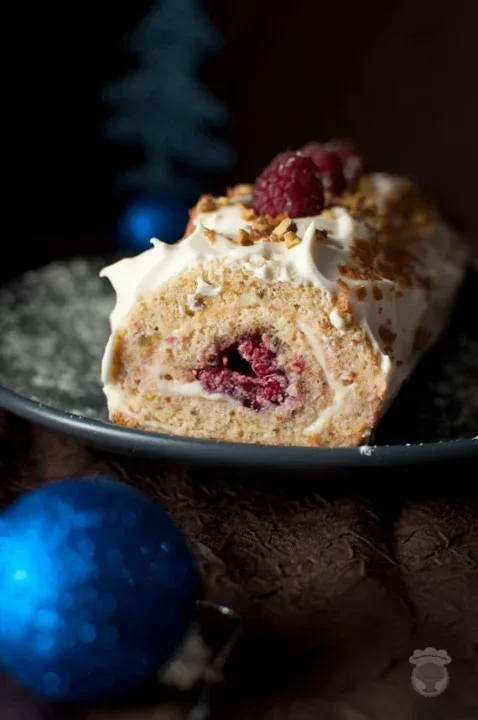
(191, 451)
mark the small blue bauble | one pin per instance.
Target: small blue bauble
(97, 588)
(161, 216)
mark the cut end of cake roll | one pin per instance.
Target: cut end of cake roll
(220, 353)
(279, 330)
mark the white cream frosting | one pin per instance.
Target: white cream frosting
(440, 253)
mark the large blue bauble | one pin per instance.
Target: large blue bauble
(97, 588)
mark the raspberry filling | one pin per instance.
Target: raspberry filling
(248, 372)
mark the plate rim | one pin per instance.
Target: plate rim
(186, 450)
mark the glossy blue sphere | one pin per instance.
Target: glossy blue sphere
(161, 216)
(97, 589)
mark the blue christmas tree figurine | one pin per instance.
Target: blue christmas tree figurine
(163, 107)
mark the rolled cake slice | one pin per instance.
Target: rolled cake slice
(277, 330)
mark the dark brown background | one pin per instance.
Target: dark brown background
(397, 75)
(342, 583)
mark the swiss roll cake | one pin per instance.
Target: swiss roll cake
(290, 313)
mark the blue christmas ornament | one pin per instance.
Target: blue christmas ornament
(97, 589)
(161, 216)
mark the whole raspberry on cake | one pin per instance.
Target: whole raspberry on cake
(291, 184)
(286, 315)
(329, 165)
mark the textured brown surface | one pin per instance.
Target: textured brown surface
(340, 583)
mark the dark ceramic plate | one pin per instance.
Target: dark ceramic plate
(53, 329)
